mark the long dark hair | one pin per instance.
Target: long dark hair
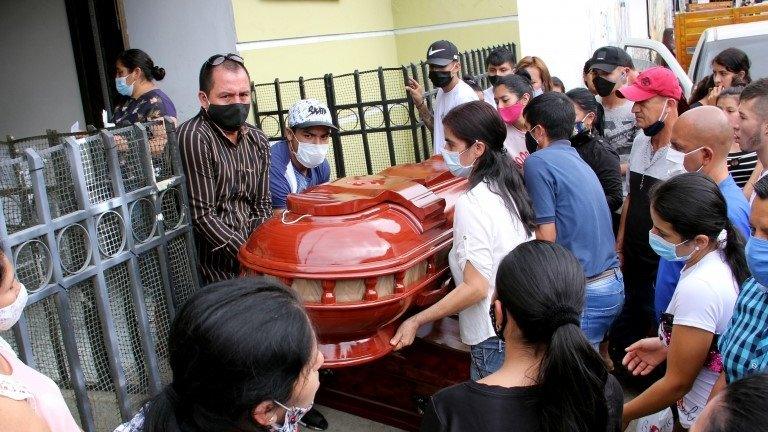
(479, 121)
(587, 102)
(517, 83)
(701, 89)
(233, 345)
(734, 60)
(693, 204)
(136, 58)
(541, 285)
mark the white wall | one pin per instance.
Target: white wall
(566, 33)
(38, 80)
(180, 35)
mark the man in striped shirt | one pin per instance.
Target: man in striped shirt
(226, 161)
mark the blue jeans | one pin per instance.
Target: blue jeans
(487, 358)
(604, 300)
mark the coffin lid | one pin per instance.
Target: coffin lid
(358, 226)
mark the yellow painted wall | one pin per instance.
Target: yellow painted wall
(415, 13)
(261, 20)
(275, 19)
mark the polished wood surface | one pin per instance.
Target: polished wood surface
(362, 251)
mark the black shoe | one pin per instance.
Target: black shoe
(314, 420)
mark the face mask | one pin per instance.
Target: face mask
(656, 127)
(122, 86)
(311, 155)
(757, 259)
(579, 127)
(667, 250)
(229, 117)
(692, 152)
(10, 314)
(440, 78)
(538, 92)
(493, 79)
(454, 164)
(511, 114)
(292, 417)
(530, 142)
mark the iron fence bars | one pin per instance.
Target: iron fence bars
(99, 233)
(379, 125)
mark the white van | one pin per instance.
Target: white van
(752, 38)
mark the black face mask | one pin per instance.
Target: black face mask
(530, 143)
(440, 78)
(493, 79)
(229, 117)
(603, 86)
(656, 127)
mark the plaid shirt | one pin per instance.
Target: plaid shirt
(744, 345)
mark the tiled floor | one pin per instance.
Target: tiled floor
(342, 422)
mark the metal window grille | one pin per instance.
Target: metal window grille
(99, 233)
(379, 125)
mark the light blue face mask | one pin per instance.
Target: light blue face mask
(122, 86)
(454, 164)
(667, 250)
(757, 259)
(538, 92)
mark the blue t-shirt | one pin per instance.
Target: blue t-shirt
(280, 158)
(566, 191)
(669, 271)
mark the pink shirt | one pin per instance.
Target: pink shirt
(44, 395)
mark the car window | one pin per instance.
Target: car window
(756, 48)
(644, 58)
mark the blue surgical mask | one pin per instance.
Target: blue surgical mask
(538, 92)
(667, 250)
(757, 259)
(122, 86)
(454, 164)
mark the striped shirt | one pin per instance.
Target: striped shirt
(741, 165)
(228, 187)
(744, 345)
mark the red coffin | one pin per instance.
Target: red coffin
(361, 251)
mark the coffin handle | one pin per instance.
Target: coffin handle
(428, 298)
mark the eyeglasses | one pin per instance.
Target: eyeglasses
(221, 58)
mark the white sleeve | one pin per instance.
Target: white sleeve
(698, 304)
(473, 238)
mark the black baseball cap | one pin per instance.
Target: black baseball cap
(441, 53)
(608, 58)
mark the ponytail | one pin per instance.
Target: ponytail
(160, 412)
(734, 253)
(541, 285)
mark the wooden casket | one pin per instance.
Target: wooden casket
(364, 251)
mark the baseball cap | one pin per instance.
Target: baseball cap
(309, 112)
(441, 53)
(607, 58)
(656, 81)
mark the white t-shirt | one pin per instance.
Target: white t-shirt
(704, 298)
(515, 145)
(444, 102)
(484, 232)
(488, 96)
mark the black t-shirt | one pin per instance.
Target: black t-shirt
(471, 406)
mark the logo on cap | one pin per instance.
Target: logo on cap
(434, 51)
(313, 110)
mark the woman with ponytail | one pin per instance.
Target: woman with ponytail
(135, 76)
(512, 93)
(552, 379)
(244, 358)
(492, 217)
(690, 224)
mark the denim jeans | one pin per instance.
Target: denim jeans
(604, 300)
(487, 358)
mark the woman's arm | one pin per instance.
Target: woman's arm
(687, 352)
(472, 290)
(749, 187)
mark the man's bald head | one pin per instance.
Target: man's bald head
(705, 136)
(705, 126)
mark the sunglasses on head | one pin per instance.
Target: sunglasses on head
(221, 58)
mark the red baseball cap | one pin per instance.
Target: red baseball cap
(656, 81)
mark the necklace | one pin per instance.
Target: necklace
(650, 160)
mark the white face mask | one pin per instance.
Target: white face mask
(311, 155)
(10, 314)
(292, 417)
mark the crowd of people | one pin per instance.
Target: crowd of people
(614, 230)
